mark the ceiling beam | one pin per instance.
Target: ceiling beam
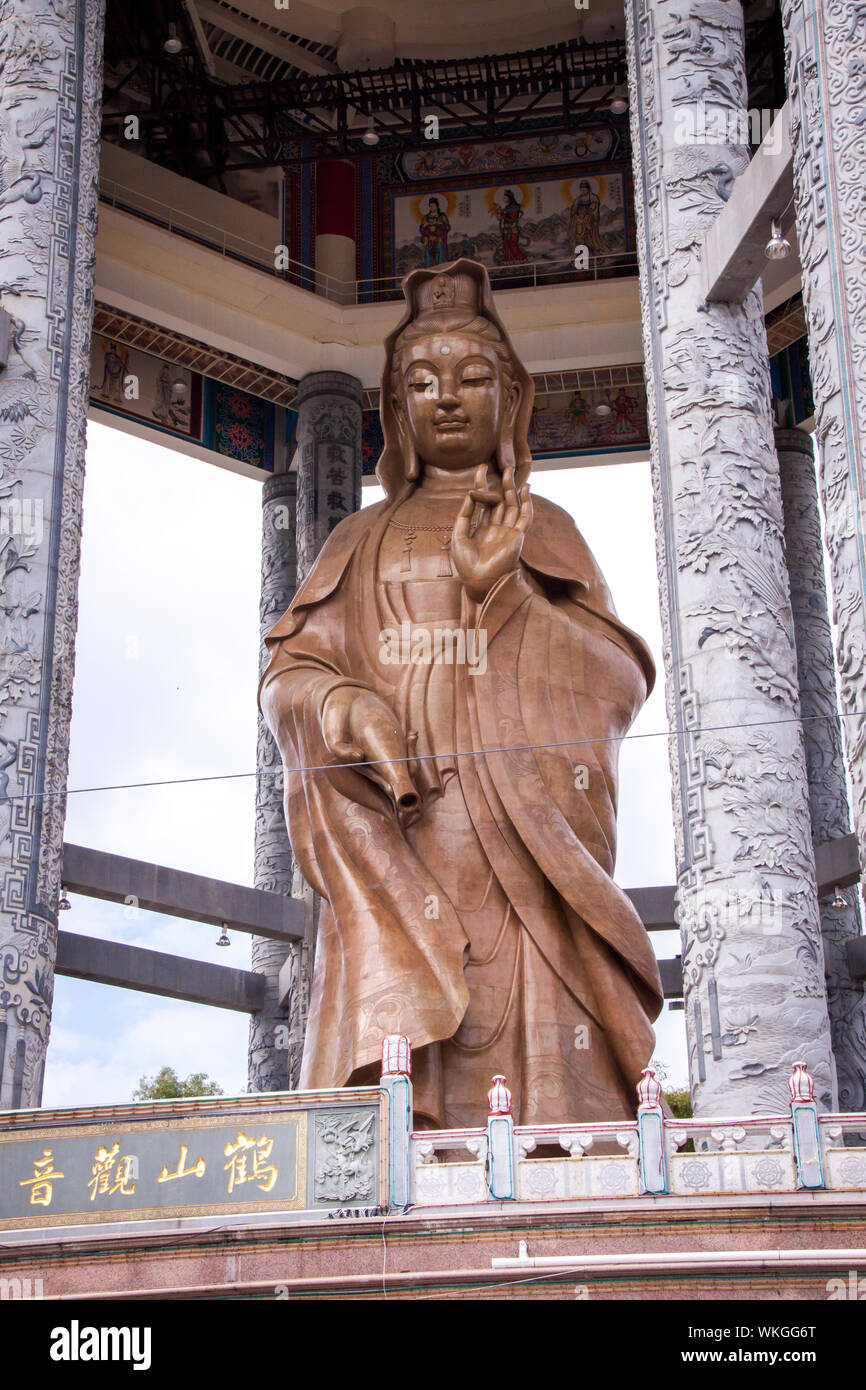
(156, 972)
(261, 37)
(156, 888)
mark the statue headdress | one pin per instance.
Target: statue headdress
(455, 298)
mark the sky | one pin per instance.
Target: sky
(165, 692)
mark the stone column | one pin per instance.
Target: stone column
(753, 967)
(276, 1034)
(329, 458)
(825, 765)
(50, 103)
(329, 488)
(825, 41)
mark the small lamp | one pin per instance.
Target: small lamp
(778, 248)
(173, 44)
(223, 938)
(619, 102)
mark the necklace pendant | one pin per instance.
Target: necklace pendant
(406, 566)
(445, 568)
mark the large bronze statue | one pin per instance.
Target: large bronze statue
(454, 683)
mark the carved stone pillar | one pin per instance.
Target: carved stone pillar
(329, 488)
(825, 766)
(753, 967)
(329, 458)
(825, 41)
(50, 102)
(276, 1034)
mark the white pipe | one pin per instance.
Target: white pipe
(686, 1259)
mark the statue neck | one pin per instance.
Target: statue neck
(446, 482)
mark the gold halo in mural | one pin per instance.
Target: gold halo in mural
(421, 205)
(571, 187)
(522, 195)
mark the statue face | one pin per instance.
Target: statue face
(453, 399)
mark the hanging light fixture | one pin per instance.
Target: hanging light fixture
(174, 43)
(370, 136)
(64, 905)
(838, 901)
(778, 248)
(223, 938)
(619, 102)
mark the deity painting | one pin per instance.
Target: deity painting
(458, 818)
(114, 361)
(624, 406)
(172, 398)
(509, 213)
(507, 223)
(433, 232)
(584, 218)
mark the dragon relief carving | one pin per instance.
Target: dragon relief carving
(344, 1161)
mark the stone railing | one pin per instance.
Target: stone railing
(654, 1155)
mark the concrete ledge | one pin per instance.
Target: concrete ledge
(734, 257)
(857, 958)
(156, 888)
(155, 972)
(655, 907)
(837, 864)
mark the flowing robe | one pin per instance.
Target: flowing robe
(517, 770)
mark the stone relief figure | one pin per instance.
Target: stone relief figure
(448, 690)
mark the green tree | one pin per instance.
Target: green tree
(680, 1103)
(678, 1098)
(167, 1085)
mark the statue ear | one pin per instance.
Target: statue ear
(505, 453)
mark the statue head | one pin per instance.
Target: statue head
(454, 392)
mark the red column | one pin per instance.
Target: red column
(335, 229)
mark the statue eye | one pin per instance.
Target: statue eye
(476, 380)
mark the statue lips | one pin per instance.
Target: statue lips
(451, 424)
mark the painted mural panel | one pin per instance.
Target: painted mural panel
(239, 425)
(509, 224)
(538, 151)
(146, 387)
(567, 422)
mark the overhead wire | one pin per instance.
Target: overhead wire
(692, 731)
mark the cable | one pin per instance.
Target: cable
(427, 757)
